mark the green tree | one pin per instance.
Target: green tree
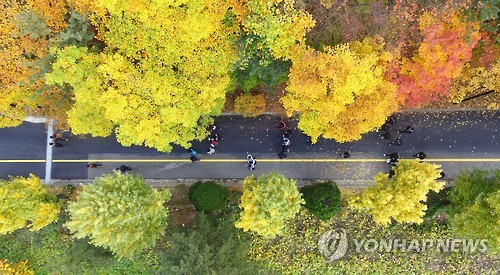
(322, 200)
(256, 65)
(162, 75)
(267, 203)
(26, 201)
(119, 212)
(208, 196)
(475, 206)
(214, 247)
(401, 197)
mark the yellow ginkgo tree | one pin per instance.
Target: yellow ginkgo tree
(162, 75)
(25, 201)
(267, 203)
(340, 93)
(401, 197)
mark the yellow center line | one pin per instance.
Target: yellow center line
(233, 160)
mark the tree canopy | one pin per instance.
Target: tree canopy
(475, 206)
(339, 93)
(162, 75)
(447, 47)
(215, 247)
(119, 212)
(401, 197)
(25, 201)
(267, 203)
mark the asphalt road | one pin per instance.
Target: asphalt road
(457, 140)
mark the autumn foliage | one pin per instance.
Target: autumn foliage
(401, 197)
(267, 203)
(447, 47)
(250, 105)
(162, 75)
(26, 202)
(340, 93)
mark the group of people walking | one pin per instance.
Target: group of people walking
(285, 136)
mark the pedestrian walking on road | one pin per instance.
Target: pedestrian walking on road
(59, 137)
(420, 155)
(93, 165)
(385, 135)
(398, 141)
(56, 144)
(441, 175)
(391, 120)
(281, 125)
(385, 127)
(287, 134)
(392, 161)
(408, 130)
(282, 155)
(391, 173)
(123, 168)
(394, 155)
(211, 150)
(286, 141)
(193, 156)
(251, 162)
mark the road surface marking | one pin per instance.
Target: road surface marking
(229, 160)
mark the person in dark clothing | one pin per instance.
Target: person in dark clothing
(193, 158)
(420, 155)
(408, 129)
(392, 161)
(391, 120)
(385, 127)
(281, 125)
(398, 141)
(93, 165)
(192, 154)
(385, 135)
(282, 155)
(346, 154)
(284, 148)
(391, 173)
(287, 134)
(58, 137)
(56, 144)
(123, 168)
(394, 155)
(441, 175)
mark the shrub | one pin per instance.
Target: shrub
(208, 196)
(250, 105)
(322, 200)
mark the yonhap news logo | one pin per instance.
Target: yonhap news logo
(333, 244)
